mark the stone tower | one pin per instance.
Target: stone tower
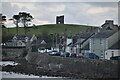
(60, 19)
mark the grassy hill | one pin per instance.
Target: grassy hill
(69, 29)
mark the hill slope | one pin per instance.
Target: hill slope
(69, 29)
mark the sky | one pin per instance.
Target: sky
(83, 13)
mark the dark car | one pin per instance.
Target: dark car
(90, 56)
(115, 58)
(73, 55)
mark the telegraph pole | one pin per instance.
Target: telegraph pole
(65, 40)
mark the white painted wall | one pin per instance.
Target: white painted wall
(109, 53)
(113, 39)
(97, 47)
(68, 49)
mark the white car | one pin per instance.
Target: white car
(54, 53)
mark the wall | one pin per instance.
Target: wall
(98, 47)
(87, 68)
(109, 53)
(113, 39)
(13, 52)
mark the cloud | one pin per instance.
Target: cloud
(57, 8)
(29, 6)
(75, 12)
(97, 10)
(59, 0)
(41, 22)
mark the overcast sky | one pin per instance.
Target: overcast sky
(84, 13)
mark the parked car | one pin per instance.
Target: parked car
(67, 54)
(54, 53)
(115, 58)
(90, 56)
(62, 54)
(73, 55)
(79, 55)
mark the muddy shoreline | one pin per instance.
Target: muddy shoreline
(26, 68)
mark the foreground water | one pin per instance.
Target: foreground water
(6, 63)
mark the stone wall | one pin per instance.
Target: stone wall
(87, 67)
(12, 52)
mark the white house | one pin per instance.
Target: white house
(15, 44)
(68, 48)
(103, 40)
(114, 50)
(21, 40)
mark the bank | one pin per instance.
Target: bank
(82, 68)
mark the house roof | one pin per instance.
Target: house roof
(22, 37)
(87, 33)
(38, 42)
(43, 42)
(70, 44)
(106, 32)
(116, 45)
(86, 47)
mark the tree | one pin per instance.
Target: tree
(25, 18)
(16, 20)
(2, 20)
(22, 17)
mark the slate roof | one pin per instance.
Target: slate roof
(86, 47)
(87, 33)
(116, 45)
(105, 33)
(38, 42)
(22, 37)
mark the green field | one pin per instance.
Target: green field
(69, 29)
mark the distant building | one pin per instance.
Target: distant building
(114, 50)
(68, 48)
(104, 39)
(80, 42)
(21, 40)
(60, 19)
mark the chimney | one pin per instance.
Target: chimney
(109, 23)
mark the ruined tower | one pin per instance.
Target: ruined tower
(60, 19)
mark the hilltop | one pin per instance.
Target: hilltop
(69, 29)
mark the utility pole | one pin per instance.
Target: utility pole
(56, 40)
(53, 40)
(65, 39)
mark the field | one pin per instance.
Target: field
(69, 29)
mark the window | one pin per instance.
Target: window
(112, 53)
(106, 53)
(102, 55)
(93, 41)
(101, 41)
